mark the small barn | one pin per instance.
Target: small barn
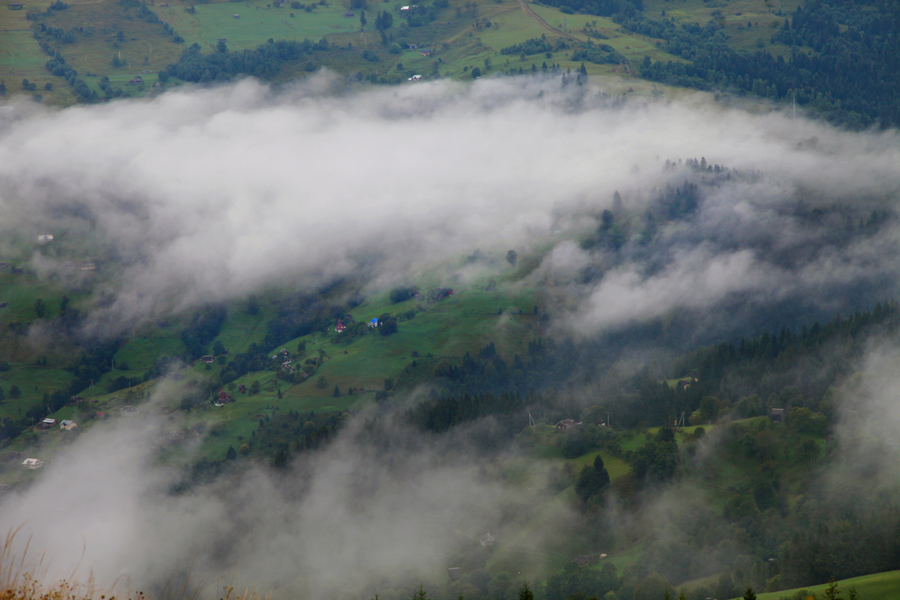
(47, 423)
(207, 359)
(137, 79)
(67, 425)
(777, 415)
(33, 463)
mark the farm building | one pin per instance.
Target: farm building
(207, 359)
(487, 540)
(415, 78)
(44, 238)
(242, 389)
(33, 463)
(454, 573)
(777, 415)
(136, 80)
(47, 423)
(426, 52)
(566, 424)
(340, 326)
(15, 6)
(585, 559)
(128, 410)
(67, 425)
(237, 16)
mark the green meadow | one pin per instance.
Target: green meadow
(880, 586)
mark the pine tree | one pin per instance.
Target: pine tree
(749, 595)
(525, 592)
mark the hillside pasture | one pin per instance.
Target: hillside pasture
(256, 23)
(143, 48)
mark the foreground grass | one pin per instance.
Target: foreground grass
(880, 586)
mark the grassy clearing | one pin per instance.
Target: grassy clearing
(143, 48)
(880, 586)
(616, 467)
(257, 23)
(734, 16)
(34, 382)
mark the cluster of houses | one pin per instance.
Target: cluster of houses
(65, 424)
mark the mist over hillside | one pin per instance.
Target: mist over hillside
(209, 194)
(713, 221)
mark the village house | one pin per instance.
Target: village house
(207, 359)
(415, 78)
(136, 80)
(566, 424)
(67, 425)
(33, 463)
(46, 424)
(777, 415)
(43, 239)
(128, 410)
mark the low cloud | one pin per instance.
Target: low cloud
(210, 194)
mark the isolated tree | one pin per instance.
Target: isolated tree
(512, 257)
(218, 347)
(254, 388)
(593, 480)
(14, 392)
(749, 595)
(2, 88)
(525, 592)
(337, 391)
(231, 454)
(2, 395)
(40, 308)
(476, 73)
